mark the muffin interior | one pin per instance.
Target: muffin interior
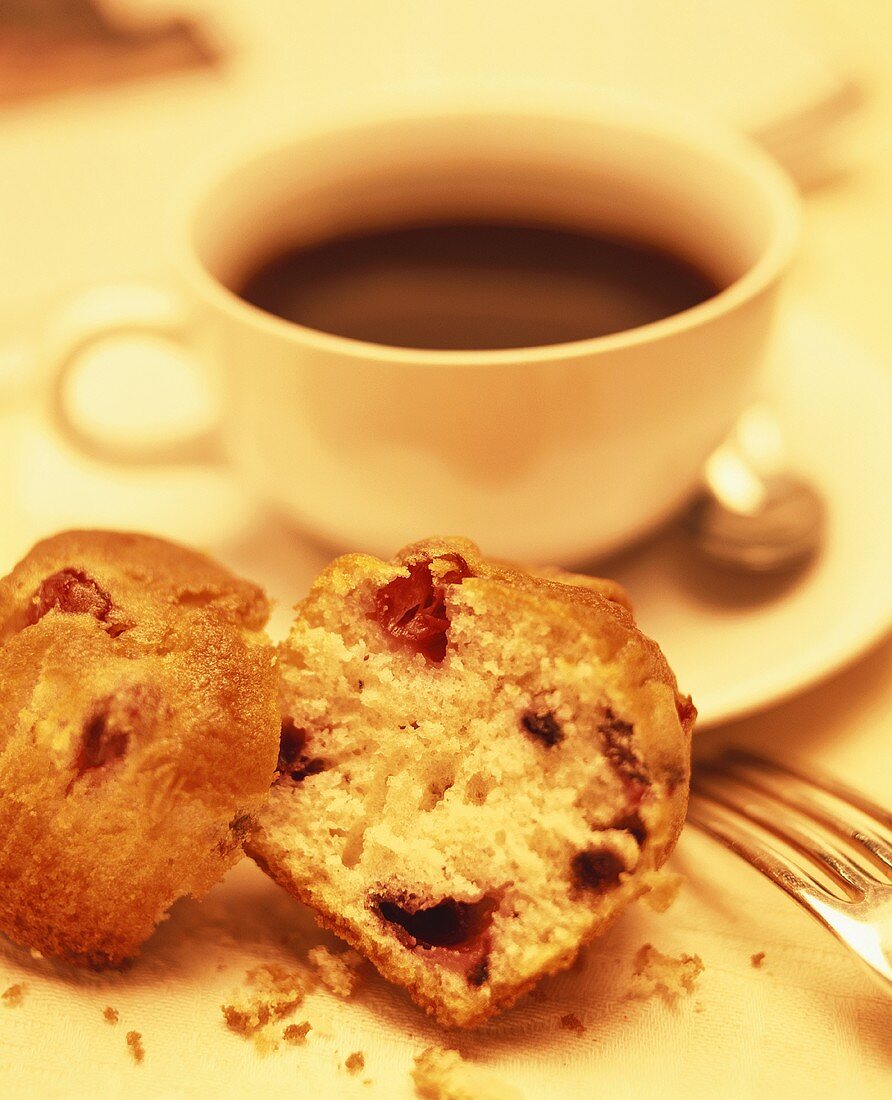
(459, 776)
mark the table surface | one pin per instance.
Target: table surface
(808, 1019)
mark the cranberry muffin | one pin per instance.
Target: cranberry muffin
(138, 734)
(479, 768)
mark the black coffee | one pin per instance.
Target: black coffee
(475, 286)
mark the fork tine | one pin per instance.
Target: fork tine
(879, 846)
(862, 926)
(816, 778)
(767, 810)
(734, 832)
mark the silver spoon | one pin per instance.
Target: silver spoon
(754, 514)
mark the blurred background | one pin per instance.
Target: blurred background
(103, 103)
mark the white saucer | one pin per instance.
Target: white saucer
(739, 644)
(736, 644)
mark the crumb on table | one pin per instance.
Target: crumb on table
(110, 1015)
(296, 1033)
(355, 1062)
(444, 1075)
(661, 889)
(13, 996)
(134, 1042)
(272, 992)
(663, 974)
(756, 960)
(339, 973)
(571, 1022)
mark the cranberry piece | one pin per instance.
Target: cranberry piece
(571, 1022)
(544, 727)
(240, 826)
(630, 819)
(238, 830)
(596, 869)
(635, 792)
(413, 609)
(306, 768)
(633, 824)
(293, 760)
(132, 710)
(101, 744)
(453, 924)
(687, 712)
(292, 741)
(479, 973)
(72, 592)
(619, 750)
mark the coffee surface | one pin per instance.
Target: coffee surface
(475, 286)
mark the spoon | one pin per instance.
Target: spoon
(754, 514)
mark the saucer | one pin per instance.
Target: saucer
(740, 643)
(736, 643)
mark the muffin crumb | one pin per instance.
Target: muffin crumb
(571, 1022)
(757, 959)
(296, 1034)
(444, 1075)
(134, 1042)
(661, 889)
(355, 1062)
(13, 996)
(110, 1015)
(663, 974)
(339, 973)
(272, 993)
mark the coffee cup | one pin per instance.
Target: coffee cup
(551, 450)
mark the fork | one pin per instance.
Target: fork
(749, 802)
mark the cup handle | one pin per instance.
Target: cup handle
(104, 313)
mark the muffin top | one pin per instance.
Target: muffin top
(138, 732)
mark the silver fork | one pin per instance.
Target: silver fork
(747, 802)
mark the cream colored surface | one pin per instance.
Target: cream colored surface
(806, 1023)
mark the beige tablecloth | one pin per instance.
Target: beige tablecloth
(807, 1022)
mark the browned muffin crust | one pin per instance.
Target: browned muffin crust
(138, 736)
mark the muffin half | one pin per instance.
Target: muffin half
(477, 766)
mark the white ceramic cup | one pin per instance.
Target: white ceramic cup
(556, 452)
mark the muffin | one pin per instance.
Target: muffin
(138, 735)
(479, 768)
